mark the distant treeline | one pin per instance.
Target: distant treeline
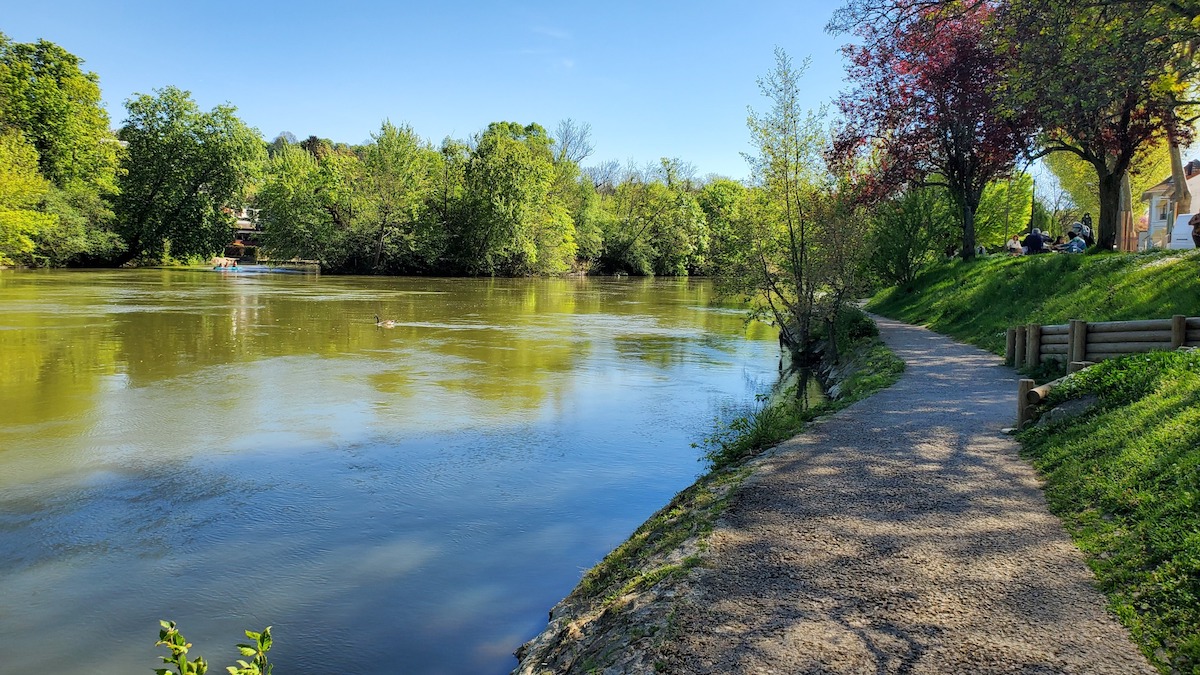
(510, 200)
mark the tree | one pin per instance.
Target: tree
(572, 141)
(48, 99)
(1004, 209)
(1101, 84)
(512, 225)
(924, 97)
(183, 169)
(721, 201)
(46, 96)
(788, 171)
(397, 182)
(908, 232)
(21, 189)
(293, 219)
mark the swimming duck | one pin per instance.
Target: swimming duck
(385, 324)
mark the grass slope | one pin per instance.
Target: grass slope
(1124, 477)
(978, 301)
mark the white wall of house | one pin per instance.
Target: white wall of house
(1160, 212)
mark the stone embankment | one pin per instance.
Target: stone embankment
(900, 535)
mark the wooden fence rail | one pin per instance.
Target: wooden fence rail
(1033, 345)
(1078, 344)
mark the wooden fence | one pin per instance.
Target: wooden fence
(1034, 345)
(1079, 344)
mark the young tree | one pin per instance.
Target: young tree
(908, 232)
(788, 173)
(183, 168)
(924, 96)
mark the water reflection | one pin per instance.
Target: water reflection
(235, 451)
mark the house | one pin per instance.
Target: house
(1162, 209)
(245, 234)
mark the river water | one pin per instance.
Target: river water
(234, 450)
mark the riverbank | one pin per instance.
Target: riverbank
(623, 610)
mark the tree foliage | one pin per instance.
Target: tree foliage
(183, 169)
(798, 248)
(54, 106)
(1101, 82)
(22, 188)
(924, 96)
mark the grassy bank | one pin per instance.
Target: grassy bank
(1124, 476)
(977, 301)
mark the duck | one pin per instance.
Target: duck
(385, 324)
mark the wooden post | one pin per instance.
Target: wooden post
(1071, 327)
(1010, 347)
(1079, 342)
(1178, 331)
(1033, 350)
(1023, 389)
(1019, 347)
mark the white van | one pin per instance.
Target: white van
(1181, 234)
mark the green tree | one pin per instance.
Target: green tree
(511, 225)
(397, 183)
(22, 188)
(908, 232)
(46, 95)
(48, 99)
(789, 171)
(183, 168)
(1003, 209)
(721, 201)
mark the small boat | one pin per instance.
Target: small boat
(222, 268)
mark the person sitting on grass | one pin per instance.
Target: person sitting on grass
(1013, 245)
(1076, 245)
(1034, 243)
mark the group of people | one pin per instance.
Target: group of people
(1077, 240)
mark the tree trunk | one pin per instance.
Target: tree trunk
(1125, 227)
(970, 204)
(1182, 197)
(1110, 207)
(379, 245)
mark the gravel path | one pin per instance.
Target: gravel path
(902, 535)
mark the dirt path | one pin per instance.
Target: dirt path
(902, 535)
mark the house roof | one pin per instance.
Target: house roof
(1191, 170)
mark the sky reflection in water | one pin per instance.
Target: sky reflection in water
(231, 452)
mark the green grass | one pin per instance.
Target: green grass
(978, 301)
(1125, 477)
(643, 559)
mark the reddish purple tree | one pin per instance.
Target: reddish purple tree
(924, 97)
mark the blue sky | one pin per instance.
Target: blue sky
(653, 79)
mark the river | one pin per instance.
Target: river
(233, 450)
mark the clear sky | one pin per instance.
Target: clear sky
(652, 78)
